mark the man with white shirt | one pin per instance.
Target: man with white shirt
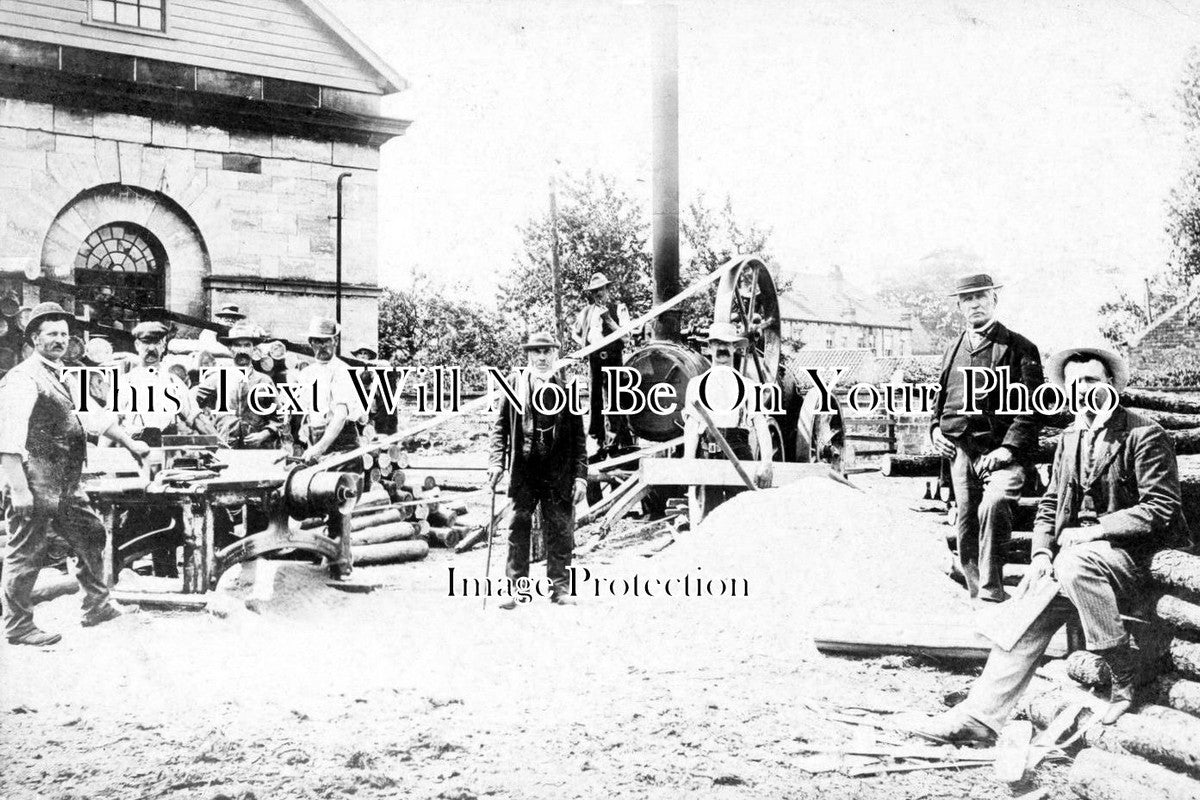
(154, 401)
(1114, 500)
(599, 318)
(332, 425)
(547, 456)
(43, 445)
(728, 396)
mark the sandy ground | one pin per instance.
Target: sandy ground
(408, 692)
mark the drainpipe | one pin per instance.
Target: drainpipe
(338, 279)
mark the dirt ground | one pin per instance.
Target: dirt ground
(409, 692)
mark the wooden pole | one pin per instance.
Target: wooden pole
(554, 269)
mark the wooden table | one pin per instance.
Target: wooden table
(250, 478)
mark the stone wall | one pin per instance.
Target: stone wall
(257, 206)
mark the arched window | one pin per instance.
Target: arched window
(124, 266)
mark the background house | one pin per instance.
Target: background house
(186, 153)
(824, 311)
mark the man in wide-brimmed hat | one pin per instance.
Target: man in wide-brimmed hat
(1114, 501)
(990, 453)
(546, 455)
(736, 420)
(333, 426)
(238, 424)
(43, 442)
(229, 314)
(599, 318)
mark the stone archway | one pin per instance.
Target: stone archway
(134, 231)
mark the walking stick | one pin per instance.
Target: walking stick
(491, 535)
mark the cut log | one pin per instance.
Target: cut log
(1159, 401)
(391, 552)
(1100, 775)
(1187, 441)
(1185, 657)
(1089, 669)
(899, 465)
(420, 511)
(471, 539)
(395, 532)
(443, 537)
(441, 518)
(1178, 693)
(1176, 570)
(1172, 421)
(1162, 735)
(1180, 613)
(376, 497)
(388, 517)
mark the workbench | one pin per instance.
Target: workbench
(113, 482)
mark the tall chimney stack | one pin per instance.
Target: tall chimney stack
(664, 198)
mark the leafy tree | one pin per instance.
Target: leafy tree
(710, 237)
(431, 324)
(923, 292)
(601, 228)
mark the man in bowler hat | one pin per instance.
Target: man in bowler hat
(546, 454)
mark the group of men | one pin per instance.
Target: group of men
(43, 443)
(1113, 500)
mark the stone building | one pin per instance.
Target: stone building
(186, 154)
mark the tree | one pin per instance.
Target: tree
(1125, 316)
(600, 229)
(923, 292)
(431, 324)
(710, 238)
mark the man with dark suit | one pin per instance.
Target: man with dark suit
(547, 455)
(989, 452)
(601, 317)
(1114, 500)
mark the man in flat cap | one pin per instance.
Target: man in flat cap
(1113, 502)
(240, 426)
(989, 452)
(599, 318)
(43, 444)
(332, 427)
(156, 401)
(546, 454)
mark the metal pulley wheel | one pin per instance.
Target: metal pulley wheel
(747, 298)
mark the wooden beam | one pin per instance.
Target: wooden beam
(714, 472)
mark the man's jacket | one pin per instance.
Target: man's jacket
(1009, 349)
(1134, 487)
(512, 440)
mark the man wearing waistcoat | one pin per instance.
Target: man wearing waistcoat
(989, 452)
(43, 444)
(1113, 501)
(597, 320)
(547, 458)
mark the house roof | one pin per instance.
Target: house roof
(394, 83)
(855, 361)
(828, 298)
(1190, 298)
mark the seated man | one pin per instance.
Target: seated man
(1113, 501)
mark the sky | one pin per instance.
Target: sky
(1042, 138)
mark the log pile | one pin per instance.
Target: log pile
(396, 521)
(1155, 751)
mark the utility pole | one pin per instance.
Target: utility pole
(1149, 318)
(556, 274)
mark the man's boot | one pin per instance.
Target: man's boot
(1123, 666)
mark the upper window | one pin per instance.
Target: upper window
(144, 14)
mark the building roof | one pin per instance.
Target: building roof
(829, 298)
(393, 81)
(855, 361)
(1173, 311)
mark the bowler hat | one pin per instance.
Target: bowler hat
(244, 330)
(539, 340)
(44, 312)
(150, 331)
(725, 332)
(230, 310)
(974, 283)
(1117, 368)
(598, 281)
(323, 328)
